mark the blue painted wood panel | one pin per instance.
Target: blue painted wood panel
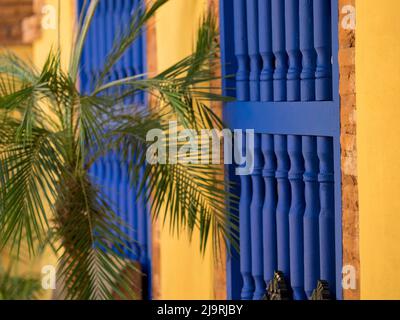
(296, 215)
(256, 212)
(267, 55)
(111, 172)
(269, 210)
(283, 206)
(297, 116)
(245, 232)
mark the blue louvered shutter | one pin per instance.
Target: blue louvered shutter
(284, 56)
(110, 172)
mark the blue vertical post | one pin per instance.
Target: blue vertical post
(307, 50)
(115, 177)
(245, 236)
(142, 216)
(323, 47)
(293, 49)
(254, 51)
(269, 211)
(283, 206)
(265, 43)
(278, 45)
(311, 215)
(241, 51)
(122, 199)
(327, 213)
(101, 29)
(296, 215)
(256, 211)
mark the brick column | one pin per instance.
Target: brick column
(350, 222)
(19, 21)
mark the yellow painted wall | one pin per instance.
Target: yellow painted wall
(36, 54)
(23, 51)
(49, 38)
(378, 104)
(184, 273)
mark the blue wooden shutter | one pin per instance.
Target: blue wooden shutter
(284, 56)
(111, 172)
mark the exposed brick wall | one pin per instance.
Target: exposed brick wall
(351, 255)
(19, 21)
(220, 264)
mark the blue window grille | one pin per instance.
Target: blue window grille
(284, 56)
(110, 171)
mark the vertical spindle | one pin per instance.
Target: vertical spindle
(296, 215)
(115, 177)
(283, 206)
(327, 213)
(323, 47)
(142, 223)
(122, 201)
(307, 50)
(265, 41)
(254, 51)
(256, 212)
(269, 210)
(311, 215)
(293, 49)
(278, 45)
(245, 236)
(241, 51)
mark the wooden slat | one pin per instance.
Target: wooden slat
(256, 212)
(293, 49)
(241, 51)
(283, 206)
(269, 211)
(265, 43)
(311, 215)
(296, 215)
(278, 45)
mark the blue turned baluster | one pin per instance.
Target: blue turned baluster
(265, 42)
(296, 216)
(142, 223)
(278, 45)
(307, 50)
(108, 177)
(256, 211)
(327, 213)
(254, 52)
(115, 177)
(283, 206)
(241, 51)
(123, 192)
(245, 236)
(323, 47)
(293, 49)
(269, 210)
(311, 215)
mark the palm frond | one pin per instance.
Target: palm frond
(91, 244)
(29, 173)
(52, 133)
(14, 287)
(140, 17)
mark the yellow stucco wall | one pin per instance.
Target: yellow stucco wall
(49, 37)
(184, 273)
(37, 54)
(378, 104)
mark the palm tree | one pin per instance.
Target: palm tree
(52, 133)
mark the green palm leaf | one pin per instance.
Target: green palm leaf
(52, 134)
